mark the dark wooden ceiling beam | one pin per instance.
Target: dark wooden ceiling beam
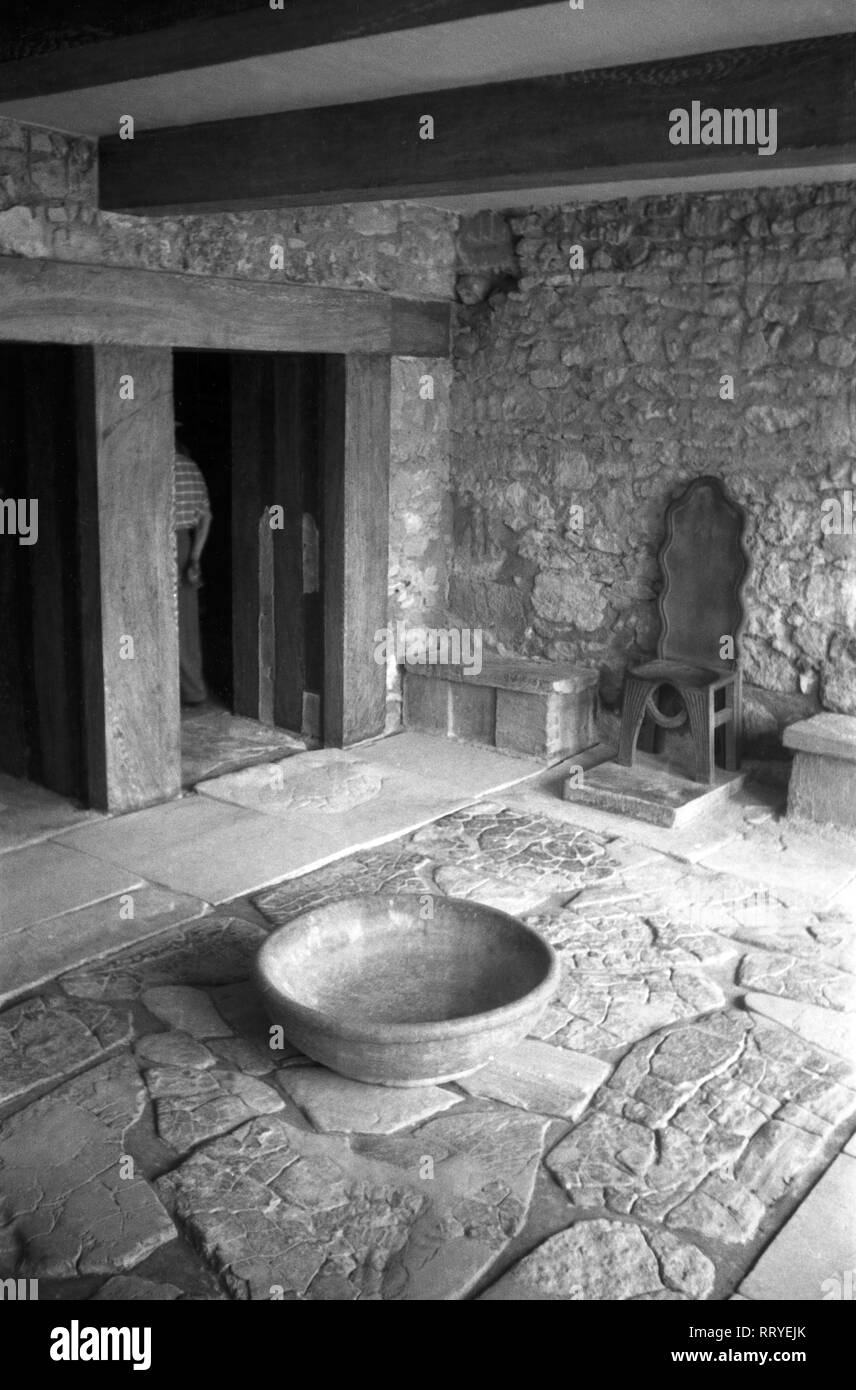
(71, 64)
(576, 128)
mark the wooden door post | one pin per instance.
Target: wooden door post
(355, 449)
(131, 691)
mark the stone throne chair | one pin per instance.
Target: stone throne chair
(703, 568)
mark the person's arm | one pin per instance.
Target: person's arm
(200, 536)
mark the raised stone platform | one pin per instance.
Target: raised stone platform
(650, 790)
(823, 778)
(543, 709)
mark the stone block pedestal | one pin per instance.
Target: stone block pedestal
(651, 790)
(539, 709)
(823, 777)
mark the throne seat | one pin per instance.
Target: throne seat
(680, 673)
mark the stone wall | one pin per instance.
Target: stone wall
(48, 208)
(583, 399)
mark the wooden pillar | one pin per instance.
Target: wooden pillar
(131, 691)
(295, 427)
(355, 448)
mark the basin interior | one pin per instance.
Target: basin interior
(378, 960)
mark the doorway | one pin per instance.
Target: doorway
(41, 614)
(251, 423)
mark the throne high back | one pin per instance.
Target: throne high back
(704, 568)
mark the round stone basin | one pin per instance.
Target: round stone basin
(377, 989)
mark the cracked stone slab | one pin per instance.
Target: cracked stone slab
(45, 1040)
(598, 1011)
(824, 1028)
(536, 1076)
(192, 1106)
(612, 1260)
(211, 950)
(616, 937)
(706, 1124)
(813, 1253)
(664, 890)
(695, 906)
(529, 849)
(799, 930)
(68, 1209)
(283, 1212)
(503, 858)
(86, 934)
(394, 868)
(251, 1049)
(808, 981)
(337, 1104)
(130, 1288)
(517, 895)
(187, 1009)
(174, 1049)
(242, 1055)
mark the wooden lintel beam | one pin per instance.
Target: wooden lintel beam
(65, 59)
(545, 131)
(58, 302)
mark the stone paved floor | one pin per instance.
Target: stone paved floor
(680, 1127)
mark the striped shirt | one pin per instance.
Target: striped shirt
(191, 494)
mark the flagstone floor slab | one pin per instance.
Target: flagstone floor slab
(812, 1256)
(129, 1288)
(203, 847)
(185, 1008)
(46, 1040)
(193, 1105)
(535, 1076)
(215, 741)
(607, 1260)
(47, 879)
(281, 1212)
(73, 1209)
(214, 950)
(705, 1124)
(29, 812)
(336, 799)
(336, 1103)
(812, 982)
(216, 850)
(46, 949)
(826, 1028)
(789, 859)
(463, 769)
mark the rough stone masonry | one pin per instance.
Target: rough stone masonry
(603, 389)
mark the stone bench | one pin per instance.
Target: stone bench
(823, 777)
(541, 709)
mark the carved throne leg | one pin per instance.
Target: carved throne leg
(734, 730)
(636, 694)
(729, 730)
(700, 707)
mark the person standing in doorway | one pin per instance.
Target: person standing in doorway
(192, 524)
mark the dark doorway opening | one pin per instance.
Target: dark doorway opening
(202, 396)
(252, 424)
(41, 617)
